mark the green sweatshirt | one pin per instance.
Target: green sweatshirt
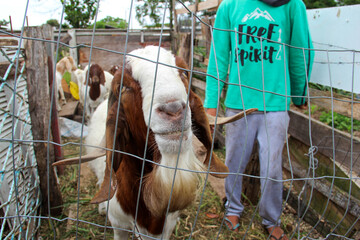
(246, 30)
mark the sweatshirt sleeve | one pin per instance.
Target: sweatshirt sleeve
(301, 55)
(219, 58)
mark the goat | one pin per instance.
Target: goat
(65, 64)
(157, 152)
(113, 69)
(98, 87)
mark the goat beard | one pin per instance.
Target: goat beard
(159, 187)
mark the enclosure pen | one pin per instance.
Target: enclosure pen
(38, 200)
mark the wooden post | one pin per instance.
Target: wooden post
(184, 49)
(206, 32)
(55, 129)
(72, 43)
(39, 108)
(193, 29)
(174, 31)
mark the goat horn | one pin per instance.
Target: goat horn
(85, 158)
(224, 120)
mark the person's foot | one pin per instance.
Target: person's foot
(232, 223)
(276, 233)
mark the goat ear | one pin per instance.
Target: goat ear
(201, 123)
(102, 78)
(113, 159)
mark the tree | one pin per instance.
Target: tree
(348, 2)
(79, 13)
(310, 4)
(111, 21)
(4, 22)
(152, 9)
(53, 22)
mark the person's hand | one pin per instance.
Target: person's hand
(212, 112)
(302, 106)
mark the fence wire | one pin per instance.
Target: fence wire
(19, 182)
(20, 199)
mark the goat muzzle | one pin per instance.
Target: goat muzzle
(172, 111)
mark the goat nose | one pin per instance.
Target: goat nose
(172, 110)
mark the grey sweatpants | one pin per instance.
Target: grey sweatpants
(270, 133)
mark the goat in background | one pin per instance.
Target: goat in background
(99, 85)
(65, 64)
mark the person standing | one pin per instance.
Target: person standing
(264, 49)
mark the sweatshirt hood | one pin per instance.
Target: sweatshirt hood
(275, 3)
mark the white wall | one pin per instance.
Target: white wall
(335, 29)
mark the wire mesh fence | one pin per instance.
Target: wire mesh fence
(320, 163)
(20, 193)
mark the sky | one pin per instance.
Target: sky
(39, 11)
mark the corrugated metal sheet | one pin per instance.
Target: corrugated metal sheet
(19, 182)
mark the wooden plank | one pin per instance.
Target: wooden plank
(340, 208)
(199, 57)
(341, 104)
(5, 65)
(198, 84)
(311, 216)
(201, 70)
(340, 187)
(8, 42)
(39, 108)
(207, 5)
(321, 136)
(333, 214)
(69, 109)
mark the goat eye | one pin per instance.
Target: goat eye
(125, 88)
(185, 74)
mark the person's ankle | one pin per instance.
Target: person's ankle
(276, 233)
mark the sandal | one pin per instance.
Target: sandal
(272, 237)
(232, 228)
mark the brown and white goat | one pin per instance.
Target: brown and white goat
(113, 69)
(99, 85)
(149, 141)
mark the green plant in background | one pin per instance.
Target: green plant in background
(200, 50)
(341, 122)
(112, 22)
(313, 109)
